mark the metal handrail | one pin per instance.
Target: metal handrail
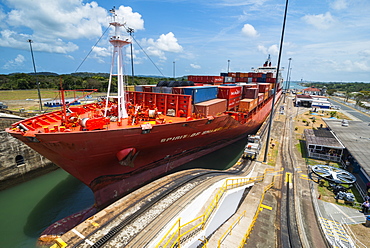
(227, 185)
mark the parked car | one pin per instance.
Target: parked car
(3, 106)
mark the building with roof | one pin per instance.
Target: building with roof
(355, 136)
(322, 144)
(314, 101)
(312, 91)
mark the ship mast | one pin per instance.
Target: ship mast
(117, 67)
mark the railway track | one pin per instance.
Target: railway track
(122, 228)
(289, 235)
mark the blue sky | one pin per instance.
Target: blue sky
(328, 40)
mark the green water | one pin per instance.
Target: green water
(27, 209)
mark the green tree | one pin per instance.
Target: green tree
(331, 91)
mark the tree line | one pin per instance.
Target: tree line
(85, 80)
(341, 87)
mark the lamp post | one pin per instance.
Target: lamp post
(228, 65)
(37, 80)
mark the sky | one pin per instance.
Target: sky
(327, 40)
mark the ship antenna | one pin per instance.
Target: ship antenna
(117, 63)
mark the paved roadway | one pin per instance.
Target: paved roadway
(350, 109)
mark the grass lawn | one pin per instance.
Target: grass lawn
(6, 95)
(29, 99)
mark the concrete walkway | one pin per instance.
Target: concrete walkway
(251, 205)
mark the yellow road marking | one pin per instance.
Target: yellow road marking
(288, 177)
(266, 207)
(307, 179)
(95, 224)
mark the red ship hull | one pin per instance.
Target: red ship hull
(91, 156)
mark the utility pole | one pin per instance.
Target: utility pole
(37, 80)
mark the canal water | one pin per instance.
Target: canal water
(27, 209)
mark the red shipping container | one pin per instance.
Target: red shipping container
(258, 75)
(250, 93)
(261, 97)
(263, 87)
(251, 74)
(250, 85)
(241, 79)
(270, 80)
(233, 103)
(269, 75)
(206, 79)
(231, 74)
(228, 92)
(148, 88)
(254, 79)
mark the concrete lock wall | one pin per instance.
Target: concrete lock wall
(18, 162)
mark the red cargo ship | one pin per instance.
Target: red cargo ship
(121, 143)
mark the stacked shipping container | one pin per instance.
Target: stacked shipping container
(235, 91)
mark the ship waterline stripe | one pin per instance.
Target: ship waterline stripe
(82, 236)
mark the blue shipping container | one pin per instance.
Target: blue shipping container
(201, 93)
(139, 88)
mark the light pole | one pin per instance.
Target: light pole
(37, 80)
(286, 81)
(131, 31)
(228, 65)
(287, 75)
(277, 78)
(174, 70)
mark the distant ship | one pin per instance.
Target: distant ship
(130, 138)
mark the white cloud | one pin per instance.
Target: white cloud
(165, 43)
(168, 43)
(195, 66)
(365, 53)
(51, 23)
(321, 21)
(249, 31)
(273, 50)
(242, 3)
(339, 4)
(102, 51)
(131, 19)
(18, 61)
